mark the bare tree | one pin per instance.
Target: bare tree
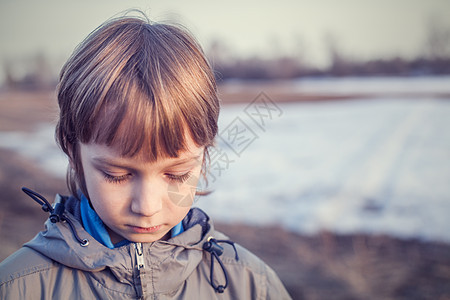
(339, 64)
(28, 72)
(437, 40)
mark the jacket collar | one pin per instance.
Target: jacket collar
(96, 228)
(175, 258)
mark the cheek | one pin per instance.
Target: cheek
(104, 196)
(183, 194)
(178, 213)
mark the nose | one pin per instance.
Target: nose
(147, 198)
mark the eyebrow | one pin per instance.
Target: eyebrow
(186, 160)
(114, 163)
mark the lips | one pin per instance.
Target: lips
(138, 229)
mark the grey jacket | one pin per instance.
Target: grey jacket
(54, 265)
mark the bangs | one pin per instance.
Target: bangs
(133, 123)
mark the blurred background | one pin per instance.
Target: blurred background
(339, 177)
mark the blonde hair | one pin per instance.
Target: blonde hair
(139, 87)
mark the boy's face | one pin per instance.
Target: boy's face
(137, 200)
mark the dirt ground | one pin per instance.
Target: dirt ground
(323, 266)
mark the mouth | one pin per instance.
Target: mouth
(138, 229)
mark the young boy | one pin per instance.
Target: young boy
(138, 112)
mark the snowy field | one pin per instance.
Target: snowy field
(365, 165)
(374, 85)
(374, 166)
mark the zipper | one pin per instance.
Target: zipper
(140, 285)
(139, 256)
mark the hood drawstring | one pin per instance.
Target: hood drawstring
(56, 213)
(213, 247)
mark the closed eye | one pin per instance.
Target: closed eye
(116, 179)
(179, 178)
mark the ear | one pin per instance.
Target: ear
(72, 152)
(71, 163)
(205, 158)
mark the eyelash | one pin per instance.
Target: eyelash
(116, 179)
(179, 178)
(119, 179)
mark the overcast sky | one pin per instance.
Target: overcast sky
(361, 28)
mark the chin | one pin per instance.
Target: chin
(149, 239)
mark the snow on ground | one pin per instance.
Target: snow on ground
(370, 86)
(373, 85)
(40, 146)
(379, 165)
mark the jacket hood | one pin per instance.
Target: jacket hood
(176, 258)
